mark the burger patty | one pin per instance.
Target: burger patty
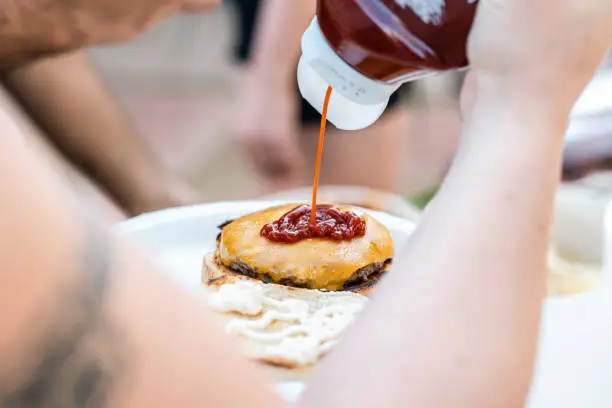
(367, 272)
(360, 277)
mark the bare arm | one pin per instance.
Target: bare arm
(456, 322)
(91, 322)
(67, 99)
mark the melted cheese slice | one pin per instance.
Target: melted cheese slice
(317, 263)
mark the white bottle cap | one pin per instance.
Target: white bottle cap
(356, 101)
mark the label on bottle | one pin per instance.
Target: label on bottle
(430, 11)
(352, 85)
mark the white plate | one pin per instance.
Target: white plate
(574, 368)
(178, 239)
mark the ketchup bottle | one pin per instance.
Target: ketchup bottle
(365, 49)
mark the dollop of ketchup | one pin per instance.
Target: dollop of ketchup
(331, 222)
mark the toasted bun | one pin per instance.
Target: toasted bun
(312, 263)
(288, 342)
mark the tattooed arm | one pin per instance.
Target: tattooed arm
(92, 323)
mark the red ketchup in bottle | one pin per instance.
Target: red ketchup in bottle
(365, 49)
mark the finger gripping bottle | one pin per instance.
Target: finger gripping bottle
(365, 49)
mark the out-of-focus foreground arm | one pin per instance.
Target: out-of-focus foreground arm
(92, 322)
(456, 322)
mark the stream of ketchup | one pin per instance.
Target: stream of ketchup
(323, 221)
(317, 171)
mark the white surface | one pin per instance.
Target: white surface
(575, 363)
(597, 96)
(574, 368)
(588, 115)
(607, 251)
(179, 238)
(579, 228)
(356, 102)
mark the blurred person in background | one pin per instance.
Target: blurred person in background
(71, 107)
(69, 104)
(278, 130)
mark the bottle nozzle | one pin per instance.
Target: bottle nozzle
(357, 101)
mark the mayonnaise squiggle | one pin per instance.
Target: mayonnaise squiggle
(293, 330)
(239, 298)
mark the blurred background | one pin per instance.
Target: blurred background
(179, 85)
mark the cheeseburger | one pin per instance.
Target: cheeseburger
(289, 286)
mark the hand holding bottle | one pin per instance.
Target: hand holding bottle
(550, 47)
(268, 129)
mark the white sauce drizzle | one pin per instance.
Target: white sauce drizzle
(294, 330)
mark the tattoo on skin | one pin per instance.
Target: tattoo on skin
(79, 362)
